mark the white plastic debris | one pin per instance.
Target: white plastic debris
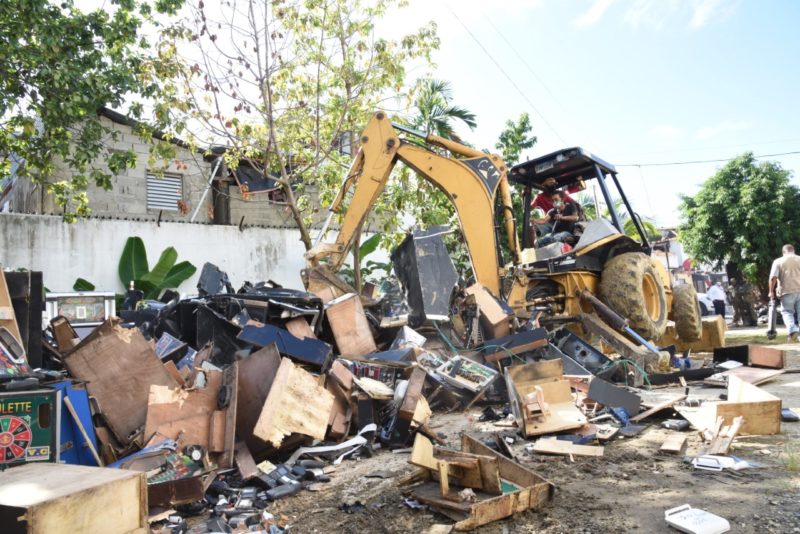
(696, 521)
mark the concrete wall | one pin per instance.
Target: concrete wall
(91, 248)
(128, 194)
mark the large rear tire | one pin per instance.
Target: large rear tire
(631, 286)
(686, 313)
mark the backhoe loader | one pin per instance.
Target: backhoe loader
(546, 281)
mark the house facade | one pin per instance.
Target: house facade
(194, 187)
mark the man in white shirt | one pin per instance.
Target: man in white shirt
(785, 277)
(717, 295)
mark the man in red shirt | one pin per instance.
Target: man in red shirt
(544, 200)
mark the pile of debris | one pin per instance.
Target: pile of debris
(229, 400)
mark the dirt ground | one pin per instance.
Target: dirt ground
(626, 490)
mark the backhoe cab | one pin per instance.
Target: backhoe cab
(543, 281)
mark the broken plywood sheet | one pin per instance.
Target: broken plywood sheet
(7, 317)
(376, 389)
(751, 375)
(567, 448)
(761, 410)
(339, 383)
(194, 417)
(296, 403)
(350, 326)
(300, 328)
(546, 375)
(663, 405)
(256, 374)
(119, 366)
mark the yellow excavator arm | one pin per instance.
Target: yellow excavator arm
(470, 183)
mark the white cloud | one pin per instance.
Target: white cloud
(651, 13)
(707, 132)
(705, 11)
(593, 14)
(666, 134)
(655, 14)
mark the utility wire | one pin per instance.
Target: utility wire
(664, 164)
(524, 62)
(511, 80)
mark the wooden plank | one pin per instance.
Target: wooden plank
(494, 319)
(119, 365)
(46, 498)
(339, 383)
(751, 375)
(559, 446)
(724, 438)
(193, 416)
(770, 357)
(760, 418)
(413, 393)
(674, 444)
(8, 319)
(65, 335)
(422, 453)
(256, 374)
(350, 326)
(296, 403)
(244, 461)
(174, 373)
(374, 388)
(300, 328)
(663, 405)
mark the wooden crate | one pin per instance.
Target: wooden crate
(48, 498)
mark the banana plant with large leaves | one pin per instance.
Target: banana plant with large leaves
(165, 274)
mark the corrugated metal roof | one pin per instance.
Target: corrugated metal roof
(164, 193)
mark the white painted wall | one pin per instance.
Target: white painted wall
(91, 249)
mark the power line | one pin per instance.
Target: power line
(664, 164)
(511, 81)
(524, 62)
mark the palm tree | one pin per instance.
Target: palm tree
(435, 111)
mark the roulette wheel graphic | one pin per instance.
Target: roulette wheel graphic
(15, 437)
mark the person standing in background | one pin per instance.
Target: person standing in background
(717, 295)
(785, 278)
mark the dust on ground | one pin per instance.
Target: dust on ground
(626, 490)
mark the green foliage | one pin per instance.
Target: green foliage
(435, 111)
(82, 284)
(166, 274)
(293, 88)
(370, 269)
(515, 137)
(743, 214)
(59, 66)
(133, 262)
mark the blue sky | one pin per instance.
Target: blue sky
(634, 81)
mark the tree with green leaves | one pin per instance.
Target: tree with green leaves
(742, 214)
(60, 66)
(435, 112)
(515, 137)
(287, 86)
